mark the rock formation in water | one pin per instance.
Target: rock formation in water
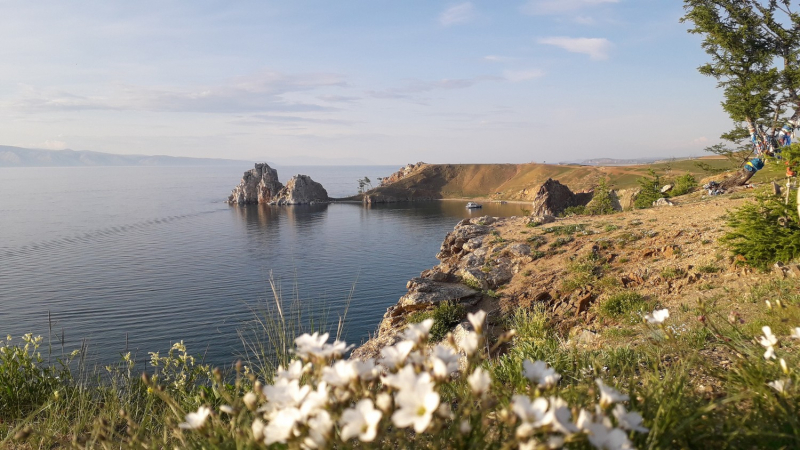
(553, 198)
(258, 185)
(261, 185)
(300, 190)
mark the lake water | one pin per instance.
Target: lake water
(154, 256)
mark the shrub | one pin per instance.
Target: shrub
(578, 210)
(568, 230)
(623, 303)
(445, 315)
(650, 191)
(670, 273)
(764, 232)
(683, 185)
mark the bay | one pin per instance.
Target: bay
(137, 258)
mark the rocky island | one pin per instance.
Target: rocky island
(260, 185)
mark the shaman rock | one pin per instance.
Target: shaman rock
(258, 185)
(301, 190)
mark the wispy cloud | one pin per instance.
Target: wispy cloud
(596, 48)
(419, 86)
(523, 75)
(545, 7)
(338, 98)
(497, 58)
(262, 119)
(461, 13)
(259, 92)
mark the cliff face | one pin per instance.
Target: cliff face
(300, 190)
(258, 185)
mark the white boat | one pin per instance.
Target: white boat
(473, 205)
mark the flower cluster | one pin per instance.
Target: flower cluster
(321, 399)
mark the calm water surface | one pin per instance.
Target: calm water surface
(152, 254)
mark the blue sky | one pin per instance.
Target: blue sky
(364, 82)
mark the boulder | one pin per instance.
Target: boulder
(423, 291)
(553, 198)
(301, 190)
(258, 185)
(455, 240)
(520, 249)
(626, 198)
(541, 220)
(663, 202)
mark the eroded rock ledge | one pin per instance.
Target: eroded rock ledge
(260, 185)
(459, 278)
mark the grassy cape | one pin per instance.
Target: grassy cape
(721, 371)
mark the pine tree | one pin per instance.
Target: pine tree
(601, 203)
(650, 191)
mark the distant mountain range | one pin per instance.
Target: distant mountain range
(30, 157)
(625, 162)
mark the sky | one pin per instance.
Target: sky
(357, 81)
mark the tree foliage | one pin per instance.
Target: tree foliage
(650, 190)
(683, 185)
(754, 49)
(602, 202)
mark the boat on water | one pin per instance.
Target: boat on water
(473, 205)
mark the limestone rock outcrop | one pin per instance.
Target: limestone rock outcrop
(258, 185)
(553, 198)
(301, 190)
(402, 173)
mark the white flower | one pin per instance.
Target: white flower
(657, 317)
(284, 393)
(294, 371)
(315, 401)
(258, 429)
(250, 401)
(477, 320)
(361, 421)
(795, 334)
(479, 381)
(316, 345)
(319, 430)
(559, 417)
(443, 362)
(539, 373)
(769, 341)
(464, 427)
(227, 409)
(341, 374)
(445, 412)
(281, 427)
(617, 439)
(629, 420)
(395, 356)
(531, 414)
(416, 405)
(609, 395)
(470, 343)
(405, 378)
(383, 401)
(418, 332)
(780, 385)
(366, 370)
(196, 420)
